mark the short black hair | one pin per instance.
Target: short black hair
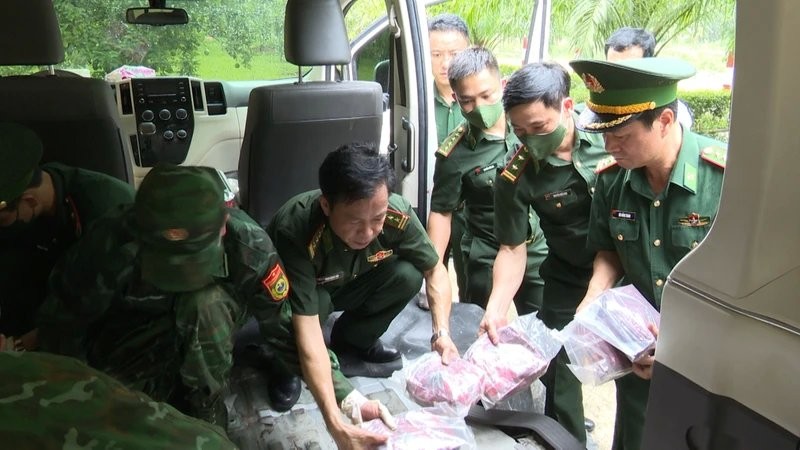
(470, 62)
(627, 37)
(448, 22)
(36, 181)
(545, 82)
(354, 172)
(649, 117)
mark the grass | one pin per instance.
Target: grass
(215, 63)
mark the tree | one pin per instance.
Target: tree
(588, 23)
(490, 22)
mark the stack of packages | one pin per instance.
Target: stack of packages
(609, 335)
(487, 372)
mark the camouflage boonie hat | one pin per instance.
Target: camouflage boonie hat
(620, 91)
(179, 214)
(20, 152)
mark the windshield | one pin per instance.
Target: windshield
(224, 39)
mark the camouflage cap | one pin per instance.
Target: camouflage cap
(620, 91)
(179, 214)
(20, 152)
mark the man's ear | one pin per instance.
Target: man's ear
(666, 119)
(326, 206)
(569, 104)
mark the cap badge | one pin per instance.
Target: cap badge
(592, 84)
(175, 234)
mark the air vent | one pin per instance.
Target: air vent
(125, 98)
(215, 98)
(197, 95)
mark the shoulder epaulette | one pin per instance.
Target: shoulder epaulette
(396, 219)
(313, 244)
(716, 156)
(605, 163)
(449, 143)
(516, 164)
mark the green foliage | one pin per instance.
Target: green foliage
(490, 22)
(711, 111)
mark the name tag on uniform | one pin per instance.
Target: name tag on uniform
(329, 278)
(480, 170)
(557, 194)
(624, 215)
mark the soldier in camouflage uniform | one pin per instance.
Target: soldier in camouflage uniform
(655, 198)
(51, 401)
(153, 295)
(353, 247)
(43, 211)
(467, 163)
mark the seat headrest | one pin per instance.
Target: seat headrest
(314, 33)
(29, 34)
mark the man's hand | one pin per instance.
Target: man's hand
(446, 348)
(490, 324)
(359, 409)
(643, 367)
(352, 437)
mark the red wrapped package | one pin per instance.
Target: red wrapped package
(593, 360)
(621, 316)
(524, 350)
(459, 384)
(428, 428)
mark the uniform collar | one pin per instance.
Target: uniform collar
(439, 98)
(475, 135)
(684, 172)
(581, 139)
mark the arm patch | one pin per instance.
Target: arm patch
(275, 283)
(452, 139)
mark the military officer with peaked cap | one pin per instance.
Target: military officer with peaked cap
(43, 211)
(655, 199)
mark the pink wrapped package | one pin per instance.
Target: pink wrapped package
(593, 360)
(428, 428)
(459, 384)
(620, 316)
(125, 72)
(522, 355)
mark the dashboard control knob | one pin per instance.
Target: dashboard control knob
(164, 114)
(181, 114)
(148, 115)
(181, 134)
(169, 135)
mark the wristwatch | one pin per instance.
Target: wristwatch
(438, 334)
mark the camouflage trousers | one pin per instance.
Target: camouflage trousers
(50, 401)
(183, 356)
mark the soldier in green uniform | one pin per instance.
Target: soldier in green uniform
(351, 246)
(152, 295)
(52, 401)
(467, 163)
(655, 198)
(43, 211)
(449, 36)
(553, 171)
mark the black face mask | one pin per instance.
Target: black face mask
(18, 227)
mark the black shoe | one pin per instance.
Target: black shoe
(283, 392)
(588, 424)
(378, 352)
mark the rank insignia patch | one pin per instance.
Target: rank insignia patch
(276, 284)
(380, 256)
(694, 220)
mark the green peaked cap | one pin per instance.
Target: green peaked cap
(620, 91)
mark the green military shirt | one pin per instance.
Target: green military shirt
(651, 233)
(97, 286)
(561, 194)
(27, 256)
(467, 164)
(315, 257)
(448, 116)
(52, 401)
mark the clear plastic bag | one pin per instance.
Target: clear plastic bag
(458, 384)
(620, 316)
(522, 355)
(592, 360)
(436, 428)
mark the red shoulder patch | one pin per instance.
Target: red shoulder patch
(605, 164)
(275, 283)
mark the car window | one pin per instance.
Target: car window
(224, 39)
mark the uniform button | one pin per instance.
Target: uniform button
(694, 244)
(659, 282)
(578, 164)
(657, 242)
(491, 181)
(558, 205)
(591, 190)
(620, 237)
(657, 203)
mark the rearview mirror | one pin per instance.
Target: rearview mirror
(156, 16)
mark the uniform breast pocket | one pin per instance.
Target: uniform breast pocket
(481, 179)
(558, 201)
(688, 237)
(624, 230)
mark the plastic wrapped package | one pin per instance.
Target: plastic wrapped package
(125, 72)
(522, 355)
(592, 360)
(458, 384)
(620, 316)
(428, 428)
